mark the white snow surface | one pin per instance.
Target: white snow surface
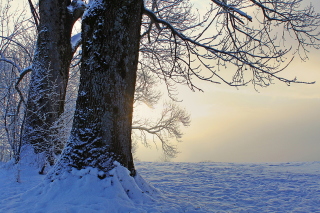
(169, 187)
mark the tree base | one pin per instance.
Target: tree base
(84, 190)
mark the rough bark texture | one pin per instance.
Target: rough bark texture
(101, 131)
(49, 73)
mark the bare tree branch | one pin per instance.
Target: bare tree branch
(34, 14)
(247, 47)
(166, 127)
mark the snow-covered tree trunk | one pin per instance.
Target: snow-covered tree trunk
(50, 70)
(101, 132)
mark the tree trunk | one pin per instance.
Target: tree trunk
(49, 73)
(101, 132)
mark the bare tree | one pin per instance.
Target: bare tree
(16, 50)
(50, 71)
(230, 37)
(59, 130)
(102, 125)
(129, 44)
(156, 58)
(164, 128)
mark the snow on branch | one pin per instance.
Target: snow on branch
(76, 8)
(18, 44)
(23, 73)
(2, 59)
(75, 42)
(230, 9)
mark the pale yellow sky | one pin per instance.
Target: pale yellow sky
(279, 124)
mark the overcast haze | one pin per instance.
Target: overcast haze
(277, 124)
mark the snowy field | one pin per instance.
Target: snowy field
(184, 187)
(227, 187)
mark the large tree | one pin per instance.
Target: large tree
(101, 131)
(50, 71)
(49, 135)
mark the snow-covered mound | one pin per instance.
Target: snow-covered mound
(77, 191)
(181, 187)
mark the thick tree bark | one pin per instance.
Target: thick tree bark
(49, 73)
(101, 131)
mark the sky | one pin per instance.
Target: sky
(276, 124)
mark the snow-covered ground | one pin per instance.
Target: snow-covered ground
(228, 187)
(184, 187)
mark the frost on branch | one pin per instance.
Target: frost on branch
(76, 8)
(75, 42)
(16, 54)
